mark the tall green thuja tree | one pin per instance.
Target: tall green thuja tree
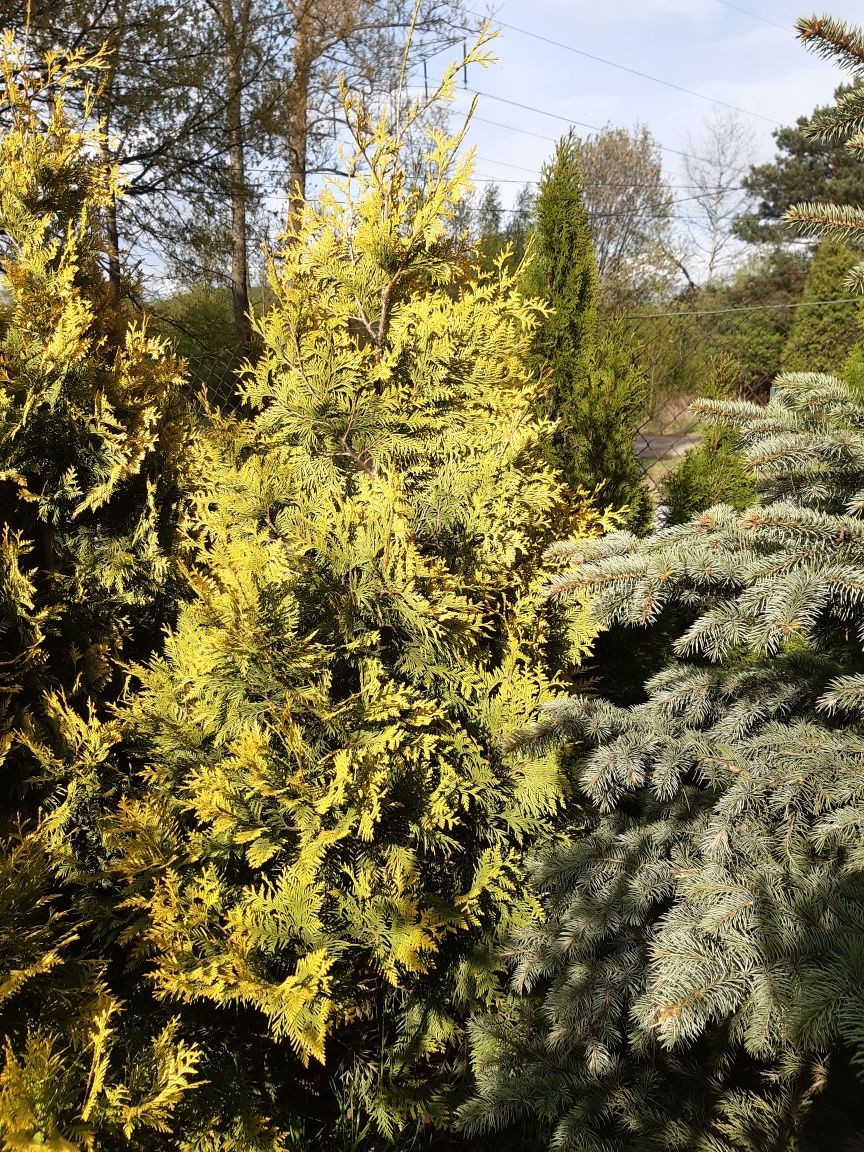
(824, 329)
(595, 392)
(564, 272)
(89, 486)
(327, 842)
(693, 982)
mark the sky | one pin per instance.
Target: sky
(744, 54)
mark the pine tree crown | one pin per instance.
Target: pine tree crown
(843, 43)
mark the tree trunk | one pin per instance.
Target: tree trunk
(298, 133)
(237, 170)
(304, 54)
(115, 274)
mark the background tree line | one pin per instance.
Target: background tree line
(220, 114)
(719, 251)
(212, 108)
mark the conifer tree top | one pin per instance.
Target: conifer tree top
(843, 43)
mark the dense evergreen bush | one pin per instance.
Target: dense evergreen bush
(711, 473)
(742, 321)
(323, 846)
(714, 471)
(822, 334)
(91, 446)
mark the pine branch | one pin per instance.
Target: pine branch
(833, 39)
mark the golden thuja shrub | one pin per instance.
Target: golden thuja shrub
(90, 444)
(327, 843)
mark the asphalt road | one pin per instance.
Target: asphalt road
(664, 446)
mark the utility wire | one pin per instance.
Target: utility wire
(555, 116)
(743, 308)
(277, 173)
(518, 167)
(755, 16)
(565, 120)
(632, 71)
(513, 128)
(615, 214)
(476, 209)
(536, 111)
(552, 115)
(553, 139)
(703, 194)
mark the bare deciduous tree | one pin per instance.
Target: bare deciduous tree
(715, 165)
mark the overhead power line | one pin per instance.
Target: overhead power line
(564, 120)
(743, 308)
(632, 71)
(574, 123)
(618, 214)
(754, 15)
(536, 111)
(703, 193)
(552, 115)
(513, 128)
(508, 164)
(481, 179)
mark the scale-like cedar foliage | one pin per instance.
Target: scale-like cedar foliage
(327, 842)
(87, 511)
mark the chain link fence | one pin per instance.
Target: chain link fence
(215, 379)
(735, 352)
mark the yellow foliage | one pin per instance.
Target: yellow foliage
(323, 731)
(89, 487)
